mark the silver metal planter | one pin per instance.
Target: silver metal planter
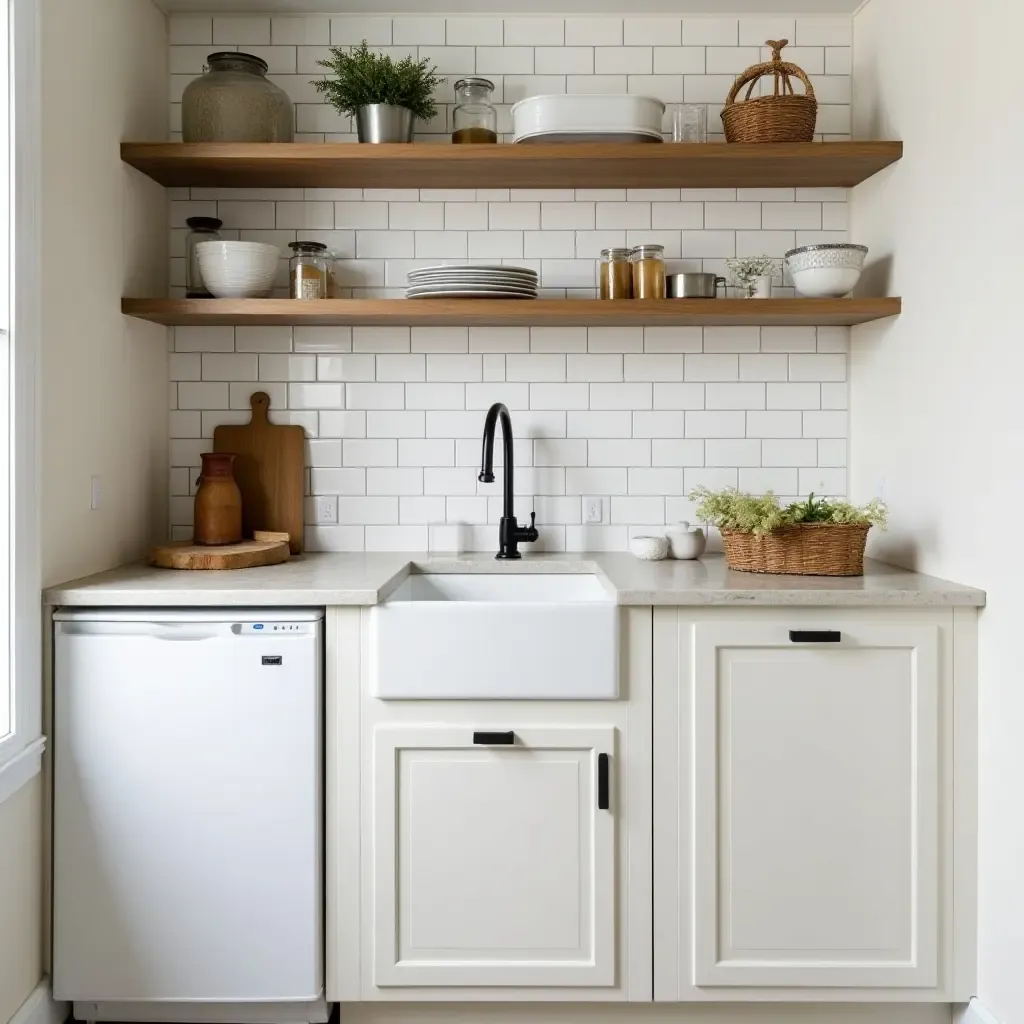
(381, 122)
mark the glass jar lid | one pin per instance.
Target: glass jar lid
(240, 61)
(647, 252)
(616, 253)
(204, 223)
(308, 248)
(471, 83)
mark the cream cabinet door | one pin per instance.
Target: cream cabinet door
(493, 856)
(816, 782)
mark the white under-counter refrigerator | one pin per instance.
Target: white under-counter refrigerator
(188, 806)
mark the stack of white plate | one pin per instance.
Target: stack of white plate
(469, 282)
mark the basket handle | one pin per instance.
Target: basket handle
(779, 69)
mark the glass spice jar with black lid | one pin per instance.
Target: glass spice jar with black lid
(307, 270)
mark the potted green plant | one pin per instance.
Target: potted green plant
(385, 96)
(754, 275)
(816, 537)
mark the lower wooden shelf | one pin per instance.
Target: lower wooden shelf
(511, 312)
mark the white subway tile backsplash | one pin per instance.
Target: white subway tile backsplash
(834, 396)
(817, 367)
(824, 31)
(774, 424)
(593, 31)
(284, 367)
(263, 339)
(716, 424)
(636, 415)
(734, 396)
(381, 423)
(347, 423)
(316, 396)
(781, 481)
(248, 29)
(205, 395)
(720, 452)
(823, 481)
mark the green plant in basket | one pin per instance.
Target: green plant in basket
(363, 77)
(731, 509)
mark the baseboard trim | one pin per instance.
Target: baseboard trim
(315, 1012)
(975, 1012)
(41, 1007)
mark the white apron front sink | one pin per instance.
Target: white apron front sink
(496, 636)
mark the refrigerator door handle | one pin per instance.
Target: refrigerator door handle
(189, 631)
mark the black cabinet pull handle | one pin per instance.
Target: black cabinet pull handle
(603, 801)
(495, 739)
(815, 636)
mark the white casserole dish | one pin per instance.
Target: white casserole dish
(600, 115)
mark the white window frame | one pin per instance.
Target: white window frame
(22, 749)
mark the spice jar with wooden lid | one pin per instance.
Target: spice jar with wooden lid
(648, 271)
(615, 275)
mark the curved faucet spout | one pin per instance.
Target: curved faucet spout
(509, 532)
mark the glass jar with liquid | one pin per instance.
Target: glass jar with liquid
(474, 117)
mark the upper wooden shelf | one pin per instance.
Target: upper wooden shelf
(505, 312)
(578, 165)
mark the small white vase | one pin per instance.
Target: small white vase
(760, 287)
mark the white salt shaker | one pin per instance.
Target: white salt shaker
(686, 541)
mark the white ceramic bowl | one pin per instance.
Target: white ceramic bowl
(826, 271)
(686, 541)
(614, 114)
(238, 270)
(649, 549)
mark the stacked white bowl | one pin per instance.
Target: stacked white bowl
(826, 271)
(238, 270)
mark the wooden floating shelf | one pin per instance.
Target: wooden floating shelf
(577, 165)
(511, 312)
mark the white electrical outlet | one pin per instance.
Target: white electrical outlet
(593, 510)
(327, 509)
(94, 493)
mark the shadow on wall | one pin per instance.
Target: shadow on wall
(876, 278)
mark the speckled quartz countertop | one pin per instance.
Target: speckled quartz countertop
(366, 579)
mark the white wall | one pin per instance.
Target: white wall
(104, 393)
(936, 392)
(21, 896)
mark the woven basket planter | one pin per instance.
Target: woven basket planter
(785, 116)
(809, 549)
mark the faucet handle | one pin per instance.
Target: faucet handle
(533, 520)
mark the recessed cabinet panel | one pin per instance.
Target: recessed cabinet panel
(816, 818)
(494, 860)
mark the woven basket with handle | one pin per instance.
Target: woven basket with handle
(807, 549)
(785, 116)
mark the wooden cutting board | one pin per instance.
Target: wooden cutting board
(246, 555)
(268, 470)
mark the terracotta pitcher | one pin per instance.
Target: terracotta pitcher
(218, 510)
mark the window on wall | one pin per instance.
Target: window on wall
(21, 742)
(7, 689)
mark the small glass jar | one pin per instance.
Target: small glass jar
(201, 229)
(615, 277)
(474, 117)
(648, 271)
(307, 270)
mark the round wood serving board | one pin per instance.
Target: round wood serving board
(246, 555)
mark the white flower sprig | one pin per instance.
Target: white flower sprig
(746, 268)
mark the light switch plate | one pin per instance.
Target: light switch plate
(593, 510)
